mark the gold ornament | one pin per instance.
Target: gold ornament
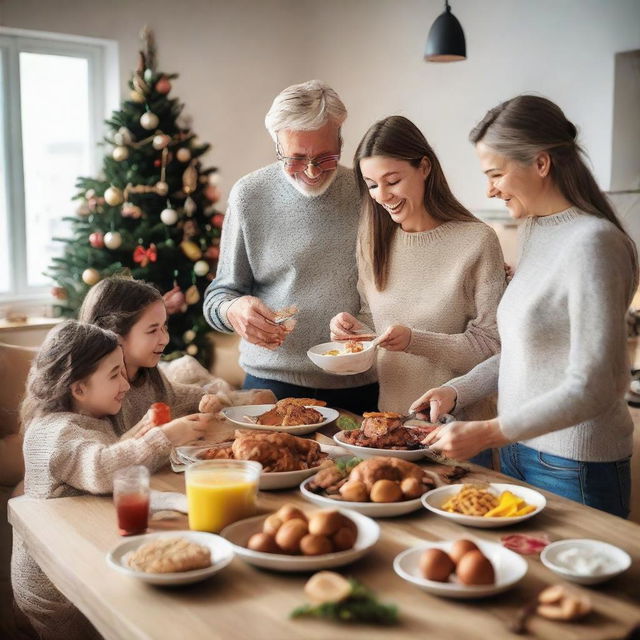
(192, 349)
(190, 179)
(189, 336)
(112, 240)
(160, 141)
(90, 276)
(162, 188)
(136, 96)
(192, 295)
(183, 154)
(113, 196)
(191, 250)
(120, 153)
(149, 120)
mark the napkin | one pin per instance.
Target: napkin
(168, 501)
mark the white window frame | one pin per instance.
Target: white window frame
(104, 94)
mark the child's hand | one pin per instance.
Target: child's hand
(183, 430)
(210, 403)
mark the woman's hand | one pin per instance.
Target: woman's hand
(395, 338)
(343, 326)
(463, 440)
(439, 400)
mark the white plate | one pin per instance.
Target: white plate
(346, 364)
(435, 498)
(370, 452)
(268, 480)
(221, 556)
(239, 533)
(619, 560)
(236, 415)
(509, 569)
(373, 509)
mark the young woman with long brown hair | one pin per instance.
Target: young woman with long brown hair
(563, 369)
(430, 273)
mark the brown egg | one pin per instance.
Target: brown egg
(354, 491)
(263, 542)
(272, 524)
(288, 512)
(435, 564)
(474, 568)
(460, 547)
(312, 545)
(290, 533)
(386, 491)
(411, 488)
(344, 538)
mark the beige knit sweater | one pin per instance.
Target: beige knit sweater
(68, 454)
(444, 284)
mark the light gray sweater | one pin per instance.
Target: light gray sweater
(563, 369)
(289, 249)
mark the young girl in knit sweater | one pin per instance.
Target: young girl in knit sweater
(430, 273)
(75, 384)
(563, 369)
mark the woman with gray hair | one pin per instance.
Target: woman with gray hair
(563, 370)
(289, 239)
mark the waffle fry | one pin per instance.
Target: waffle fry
(471, 500)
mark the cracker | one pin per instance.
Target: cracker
(169, 555)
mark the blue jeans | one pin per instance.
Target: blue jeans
(355, 399)
(602, 485)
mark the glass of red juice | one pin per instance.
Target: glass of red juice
(131, 498)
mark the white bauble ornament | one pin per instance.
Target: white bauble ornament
(148, 75)
(90, 276)
(162, 188)
(113, 196)
(201, 268)
(112, 240)
(192, 350)
(190, 206)
(149, 120)
(183, 155)
(214, 179)
(123, 136)
(160, 141)
(189, 336)
(120, 153)
(169, 216)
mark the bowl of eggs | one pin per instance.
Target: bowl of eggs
(461, 569)
(344, 358)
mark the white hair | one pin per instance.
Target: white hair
(305, 107)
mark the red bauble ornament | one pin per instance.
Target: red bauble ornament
(60, 293)
(212, 253)
(96, 240)
(212, 193)
(174, 300)
(218, 220)
(157, 162)
(163, 85)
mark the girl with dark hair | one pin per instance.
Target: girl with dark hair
(135, 311)
(430, 273)
(75, 384)
(563, 369)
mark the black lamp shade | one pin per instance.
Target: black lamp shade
(445, 42)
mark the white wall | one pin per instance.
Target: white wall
(235, 55)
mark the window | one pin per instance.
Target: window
(55, 92)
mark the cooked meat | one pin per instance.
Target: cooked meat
(379, 468)
(351, 346)
(290, 412)
(379, 423)
(302, 402)
(217, 453)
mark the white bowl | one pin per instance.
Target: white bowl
(239, 533)
(269, 480)
(435, 498)
(509, 569)
(618, 560)
(371, 452)
(345, 364)
(221, 556)
(373, 509)
(237, 416)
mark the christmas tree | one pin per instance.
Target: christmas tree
(151, 212)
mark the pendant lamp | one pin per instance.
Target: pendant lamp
(445, 42)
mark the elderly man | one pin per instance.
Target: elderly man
(289, 239)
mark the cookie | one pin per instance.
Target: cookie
(169, 555)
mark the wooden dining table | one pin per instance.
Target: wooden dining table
(71, 537)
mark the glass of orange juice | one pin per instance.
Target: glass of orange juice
(220, 492)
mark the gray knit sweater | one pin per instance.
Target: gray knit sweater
(563, 370)
(288, 249)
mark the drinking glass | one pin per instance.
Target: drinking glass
(131, 497)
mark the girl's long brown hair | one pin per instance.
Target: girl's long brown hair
(71, 352)
(397, 137)
(116, 303)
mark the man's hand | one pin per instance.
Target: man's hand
(395, 338)
(252, 320)
(463, 440)
(343, 325)
(439, 400)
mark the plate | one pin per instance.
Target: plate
(509, 569)
(221, 555)
(371, 452)
(435, 498)
(373, 509)
(347, 364)
(236, 415)
(239, 532)
(269, 480)
(619, 559)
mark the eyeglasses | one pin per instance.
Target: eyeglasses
(326, 162)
